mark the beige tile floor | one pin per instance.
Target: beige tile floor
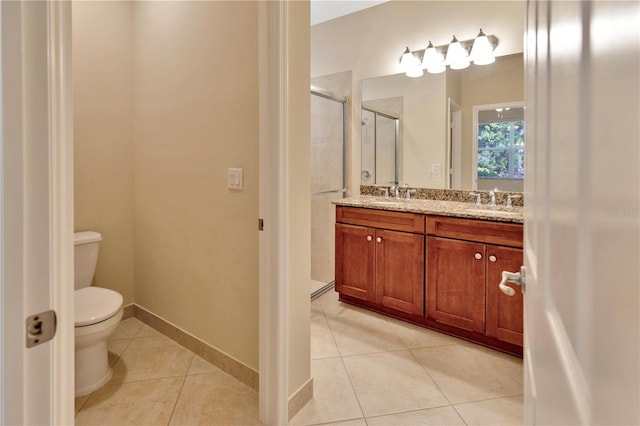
(373, 370)
(368, 370)
(158, 382)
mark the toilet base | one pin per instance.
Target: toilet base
(92, 368)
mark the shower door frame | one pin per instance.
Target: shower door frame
(315, 91)
(375, 144)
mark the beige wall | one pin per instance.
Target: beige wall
(500, 82)
(103, 144)
(152, 164)
(370, 42)
(196, 114)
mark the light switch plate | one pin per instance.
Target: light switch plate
(234, 178)
(436, 171)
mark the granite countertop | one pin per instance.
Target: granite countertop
(498, 213)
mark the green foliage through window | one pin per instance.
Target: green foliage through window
(501, 150)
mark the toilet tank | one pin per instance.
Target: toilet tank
(85, 257)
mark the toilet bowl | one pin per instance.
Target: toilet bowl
(98, 312)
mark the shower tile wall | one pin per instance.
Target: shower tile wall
(327, 151)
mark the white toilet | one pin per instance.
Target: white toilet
(97, 314)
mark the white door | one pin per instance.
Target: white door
(36, 229)
(582, 213)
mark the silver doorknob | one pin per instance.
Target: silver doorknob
(515, 278)
(369, 238)
(478, 256)
(492, 258)
(379, 239)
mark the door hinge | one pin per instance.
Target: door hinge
(260, 224)
(40, 328)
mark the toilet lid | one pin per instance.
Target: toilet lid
(95, 304)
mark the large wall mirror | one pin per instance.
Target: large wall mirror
(437, 120)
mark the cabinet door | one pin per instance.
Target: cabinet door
(355, 246)
(455, 283)
(504, 313)
(400, 271)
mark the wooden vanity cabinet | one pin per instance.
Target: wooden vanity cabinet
(355, 261)
(439, 272)
(463, 276)
(380, 258)
(504, 314)
(456, 281)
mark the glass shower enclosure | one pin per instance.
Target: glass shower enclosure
(327, 183)
(379, 148)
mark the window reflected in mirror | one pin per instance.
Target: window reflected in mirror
(500, 139)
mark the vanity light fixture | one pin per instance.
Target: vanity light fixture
(457, 55)
(411, 64)
(482, 51)
(433, 60)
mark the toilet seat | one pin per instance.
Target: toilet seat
(95, 304)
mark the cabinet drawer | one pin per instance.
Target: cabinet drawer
(395, 221)
(506, 234)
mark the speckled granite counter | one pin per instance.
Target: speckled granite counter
(436, 207)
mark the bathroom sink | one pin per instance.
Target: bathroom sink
(494, 212)
(389, 203)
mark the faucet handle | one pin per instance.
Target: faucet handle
(408, 193)
(478, 198)
(386, 191)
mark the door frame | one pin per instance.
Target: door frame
(273, 396)
(15, 406)
(41, 378)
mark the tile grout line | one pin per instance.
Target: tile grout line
(184, 380)
(111, 366)
(429, 375)
(352, 388)
(460, 415)
(413, 410)
(344, 365)
(475, 401)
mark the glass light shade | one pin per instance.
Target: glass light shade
(408, 60)
(433, 60)
(437, 69)
(457, 56)
(482, 51)
(415, 70)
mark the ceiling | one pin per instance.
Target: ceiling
(325, 10)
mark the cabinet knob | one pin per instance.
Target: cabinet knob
(369, 238)
(492, 258)
(478, 256)
(379, 239)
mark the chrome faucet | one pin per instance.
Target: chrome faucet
(492, 194)
(395, 188)
(478, 198)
